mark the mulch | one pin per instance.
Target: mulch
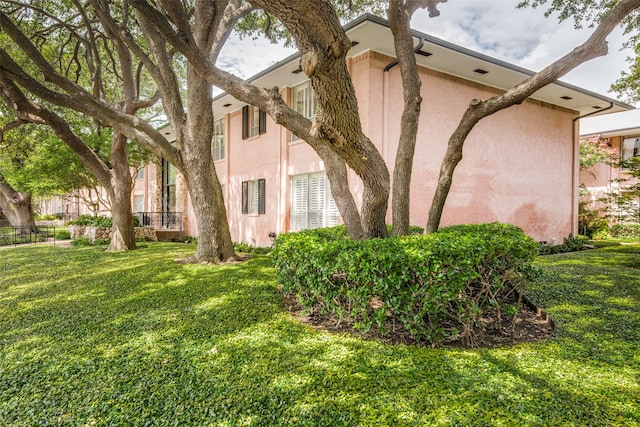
(531, 325)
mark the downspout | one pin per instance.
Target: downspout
(416, 50)
(576, 170)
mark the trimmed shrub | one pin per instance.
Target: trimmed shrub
(626, 231)
(441, 286)
(569, 244)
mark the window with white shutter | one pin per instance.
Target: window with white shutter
(312, 204)
(217, 145)
(253, 197)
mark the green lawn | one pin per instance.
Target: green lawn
(89, 338)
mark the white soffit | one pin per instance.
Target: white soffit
(372, 33)
(626, 123)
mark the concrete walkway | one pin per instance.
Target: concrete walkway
(48, 242)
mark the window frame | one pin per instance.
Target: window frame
(329, 213)
(309, 105)
(249, 117)
(253, 197)
(218, 146)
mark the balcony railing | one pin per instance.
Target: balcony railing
(159, 220)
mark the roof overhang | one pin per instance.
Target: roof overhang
(622, 124)
(370, 32)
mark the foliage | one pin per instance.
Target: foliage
(437, 286)
(99, 221)
(625, 231)
(96, 338)
(569, 244)
(594, 150)
(248, 249)
(62, 234)
(414, 230)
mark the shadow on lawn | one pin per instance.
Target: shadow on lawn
(136, 339)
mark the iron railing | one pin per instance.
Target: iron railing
(158, 220)
(26, 234)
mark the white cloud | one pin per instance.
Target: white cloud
(523, 37)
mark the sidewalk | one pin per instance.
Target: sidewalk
(48, 242)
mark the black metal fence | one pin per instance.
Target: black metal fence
(27, 234)
(168, 220)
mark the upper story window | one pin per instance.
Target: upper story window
(254, 121)
(630, 148)
(304, 102)
(140, 174)
(217, 145)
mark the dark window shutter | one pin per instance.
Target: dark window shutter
(245, 122)
(245, 197)
(261, 196)
(262, 122)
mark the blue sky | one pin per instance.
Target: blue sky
(494, 27)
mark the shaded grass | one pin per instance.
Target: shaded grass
(95, 338)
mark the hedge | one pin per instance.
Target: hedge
(442, 286)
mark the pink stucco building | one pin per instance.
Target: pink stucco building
(621, 131)
(520, 165)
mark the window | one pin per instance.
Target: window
(304, 102)
(217, 145)
(140, 174)
(138, 203)
(253, 197)
(312, 204)
(630, 148)
(168, 187)
(254, 121)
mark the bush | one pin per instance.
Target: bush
(99, 221)
(569, 244)
(439, 286)
(626, 231)
(248, 249)
(62, 235)
(81, 241)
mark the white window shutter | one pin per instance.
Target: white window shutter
(299, 203)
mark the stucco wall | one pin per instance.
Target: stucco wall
(519, 165)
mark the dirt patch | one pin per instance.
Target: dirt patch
(532, 325)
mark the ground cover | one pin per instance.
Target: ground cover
(95, 338)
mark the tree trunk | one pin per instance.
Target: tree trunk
(323, 46)
(123, 236)
(16, 206)
(399, 22)
(214, 237)
(339, 183)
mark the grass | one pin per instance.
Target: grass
(89, 338)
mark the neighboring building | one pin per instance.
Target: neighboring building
(622, 131)
(520, 165)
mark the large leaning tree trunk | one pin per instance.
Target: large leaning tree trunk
(594, 47)
(200, 174)
(16, 205)
(324, 45)
(193, 126)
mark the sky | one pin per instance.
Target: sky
(523, 37)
